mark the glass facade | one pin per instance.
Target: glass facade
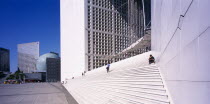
(111, 26)
(53, 70)
(92, 30)
(4, 60)
(41, 64)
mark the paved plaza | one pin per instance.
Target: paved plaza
(35, 93)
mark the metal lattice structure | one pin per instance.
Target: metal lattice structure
(111, 27)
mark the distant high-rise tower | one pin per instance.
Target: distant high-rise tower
(53, 72)
(92, 29)
(4, 60)
(28, 53)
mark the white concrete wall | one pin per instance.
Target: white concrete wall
(183, 53)
(72, 38)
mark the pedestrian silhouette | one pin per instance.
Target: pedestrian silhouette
(151, 59)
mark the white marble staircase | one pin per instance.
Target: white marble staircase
(143, 85)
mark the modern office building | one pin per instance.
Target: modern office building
(4, 60)
(28, 53)
(49, 65)
(180, 42)
(103, 28)
(41, 63)
(53, 73)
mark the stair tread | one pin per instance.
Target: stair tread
(142, 85)
(123, 94)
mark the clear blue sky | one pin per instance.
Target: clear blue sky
(23, 21)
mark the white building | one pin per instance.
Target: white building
(91, 29)
(28, 54)
(181, 43)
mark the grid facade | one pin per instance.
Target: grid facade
(4, 60)
(111, 26)
(53, 70)
(28, 55)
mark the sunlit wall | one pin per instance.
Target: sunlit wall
(28, 54)
(181, 44)
(72, 38)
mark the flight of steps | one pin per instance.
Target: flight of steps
(142, 85)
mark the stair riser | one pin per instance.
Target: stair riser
(135, 79)
(134, 85)
(134, 97)
(138, 92)
(131, 86)
(148, 90)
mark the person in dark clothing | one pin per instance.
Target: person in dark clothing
(83, 74)
(107, 68)
(151, 59)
